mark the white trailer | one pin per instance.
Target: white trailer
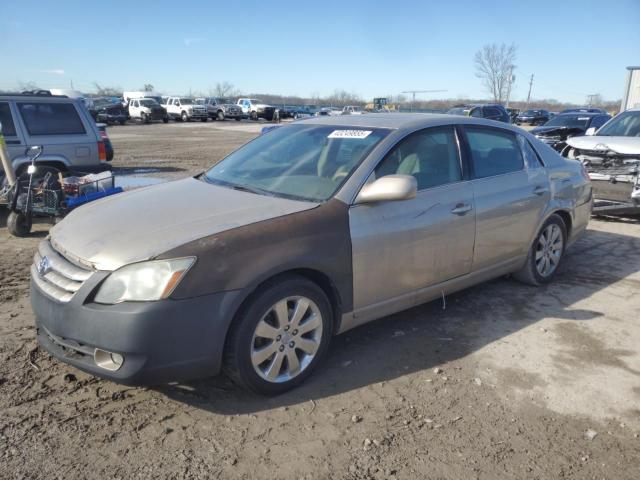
(631, 94)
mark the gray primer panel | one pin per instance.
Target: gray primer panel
(242, 258)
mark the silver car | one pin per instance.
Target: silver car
(307, 231)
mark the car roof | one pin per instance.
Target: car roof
(399, 121)
(45, 98)
(582, 114)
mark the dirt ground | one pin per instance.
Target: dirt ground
(507, 382)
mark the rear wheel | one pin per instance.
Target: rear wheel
(253, 116)
(238, 119)
(165, 120)
(19, 224)
(204, 119)
(280, 336)
(545, 253)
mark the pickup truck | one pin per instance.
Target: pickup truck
(147, 110)
(352, 110)
(221, 108)
(255, 109)
(185, 109)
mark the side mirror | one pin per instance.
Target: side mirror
(388, 188)
(590, 131)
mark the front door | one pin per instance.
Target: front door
(403, 246)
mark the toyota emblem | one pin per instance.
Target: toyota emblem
(44, 266)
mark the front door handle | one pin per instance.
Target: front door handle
(461, 208)
(540, 190)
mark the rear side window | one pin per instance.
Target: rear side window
(8, 128)
(493, 152)
(431, 156)
(531, 158)
(51, 118)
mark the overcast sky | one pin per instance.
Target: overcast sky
(574, 48)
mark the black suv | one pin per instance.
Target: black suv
(533, 117)
(490, 112)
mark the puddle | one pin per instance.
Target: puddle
(129, 182)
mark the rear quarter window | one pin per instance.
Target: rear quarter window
(51, 118)
(6, 120)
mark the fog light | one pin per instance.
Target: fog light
(107, 360)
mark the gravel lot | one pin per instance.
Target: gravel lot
(507, 381)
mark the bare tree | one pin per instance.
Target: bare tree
(224, 89)
(28, 86)
(494, 65)
(107, 91)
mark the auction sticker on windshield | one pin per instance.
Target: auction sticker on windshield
(349, 134)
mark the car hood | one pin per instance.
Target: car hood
(141, 224)
(557, 131)
(622, 145)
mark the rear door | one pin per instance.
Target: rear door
(59, 127)
(509, 197)
(401, 247)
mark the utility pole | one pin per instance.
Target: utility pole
(413, 93)
(510, 80)
(591, 97)
(529, 94)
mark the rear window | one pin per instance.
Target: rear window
(8, 128)
(51, 118)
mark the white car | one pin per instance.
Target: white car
(185, 109)
(146, 110)
(612, 158)
(352, 110)
(255, 109)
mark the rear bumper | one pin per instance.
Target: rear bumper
(168, 340)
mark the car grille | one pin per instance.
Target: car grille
(55, 275)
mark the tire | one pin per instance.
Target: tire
(238, 119)
(541, 256)
(253, 116)
(261, 363)
(184, 117)
(19, 224)
(220, 116)
(122, 122)
(204, 120)
(165, 120)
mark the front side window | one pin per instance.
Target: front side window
(6, 120)
(431, 156)
(51, 118)
(476, 112)
(493, 152)
(600, 121)
(304, 162)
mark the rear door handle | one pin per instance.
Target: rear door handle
(540, 190)
(461, 209)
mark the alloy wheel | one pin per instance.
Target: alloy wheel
(286, 339)
(549, 250)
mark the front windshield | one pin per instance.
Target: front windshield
(222, 101)
(304, 162)
(626, 124)
(186, 101)
(570, 121)
(148, 102)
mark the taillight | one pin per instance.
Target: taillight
(102, 152)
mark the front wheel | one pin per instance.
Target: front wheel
(238, 119)
(204, 119)
(165, 120)
(253, 116)
(143, 118)
(280, 336)
(545, 253)
(19, 224)
(184, 117)
(220, 116)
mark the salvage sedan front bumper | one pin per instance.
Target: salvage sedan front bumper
(134, 343)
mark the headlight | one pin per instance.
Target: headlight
(144, 281)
